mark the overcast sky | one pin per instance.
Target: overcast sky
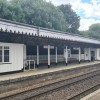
(88, 10)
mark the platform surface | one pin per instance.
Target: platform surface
(46, 70)
(93, 96)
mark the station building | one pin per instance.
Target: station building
(25, 47)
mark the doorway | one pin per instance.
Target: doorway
(92, 55)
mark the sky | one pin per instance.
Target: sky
(88, 10)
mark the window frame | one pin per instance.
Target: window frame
(3, 48)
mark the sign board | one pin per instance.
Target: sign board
(76, 48)
(45, 47)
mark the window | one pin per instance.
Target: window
(4, 54)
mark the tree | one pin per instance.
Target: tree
(94, 31)
(95, 27)
(4, 11)
(40, 13)
(71, 18)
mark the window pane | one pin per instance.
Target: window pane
(6, 52)
(6, 58)
(6, 55)
(0, 55)
(0, 47)
(6, 48)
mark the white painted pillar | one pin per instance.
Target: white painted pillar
(24, 56)
(84, 54)
(56, 56)
(70, 52)
(48, 56)
(66, 55)
(89, 54)
(37, 55)
(70, 55)
(96, 54)
(79, 54)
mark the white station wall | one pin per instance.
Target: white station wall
(98, 54)
(16, 57)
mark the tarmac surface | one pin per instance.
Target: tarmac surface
(44, 70)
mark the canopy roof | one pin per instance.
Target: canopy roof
(20, 28)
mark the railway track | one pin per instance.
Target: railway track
(14, 84)
(84, 93)
(51, 90)
(76, 95)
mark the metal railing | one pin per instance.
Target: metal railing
(44, 58)
(28, 63)
(60, 58)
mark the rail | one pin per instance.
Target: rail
(49, 87)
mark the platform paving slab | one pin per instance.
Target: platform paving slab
(43, 71)
(93, 96)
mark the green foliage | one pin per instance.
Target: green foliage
(71, 18)
(94, 31)
(95, 27)
(40, 13)
(4, 11)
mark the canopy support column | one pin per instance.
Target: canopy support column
(84, 54)
(89, 54)
(56, 56)
(37, 56)
(79, 55)
(48, 56)
(66, 56)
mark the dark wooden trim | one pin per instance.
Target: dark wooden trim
(34, 40)
(52, 30)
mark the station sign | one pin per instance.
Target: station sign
(45, 47)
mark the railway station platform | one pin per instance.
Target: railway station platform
(93, 96)
(45, 70)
